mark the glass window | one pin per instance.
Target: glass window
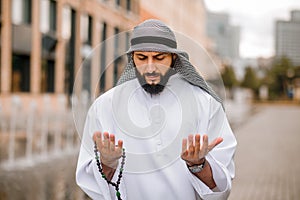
(103, 58)
(128, 5)
(84, 25)
(48, 16)
(116, 56)
(27, 11)
(85, 52)
(48, 74)
(21, 11)
(44, 16)
(66, 22)
(86, 75)
(90, 30)
(52, 20)
(70, 53)
(17, 11)
(20, 73)
(118, 2)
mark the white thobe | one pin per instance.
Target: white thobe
(152, 128)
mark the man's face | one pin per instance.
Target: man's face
(152, 65)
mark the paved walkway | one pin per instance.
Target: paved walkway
(268, 155)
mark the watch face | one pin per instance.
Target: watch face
(197, 168)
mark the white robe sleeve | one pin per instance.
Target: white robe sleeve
(220, 158)
(88, 176)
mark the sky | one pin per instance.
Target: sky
(256, 20)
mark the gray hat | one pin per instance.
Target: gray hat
(154, 35)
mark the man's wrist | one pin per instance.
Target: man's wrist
(197, 168)
(201, 161)
(108, 171)
(111, 164)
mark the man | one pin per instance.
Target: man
(156, 134)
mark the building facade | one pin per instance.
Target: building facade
(226, 38)
(44, 43)
(287, 38)
(184, 16)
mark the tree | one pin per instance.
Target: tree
(251, 80)
(229, 78)
(277, 77)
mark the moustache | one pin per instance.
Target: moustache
(152, 74)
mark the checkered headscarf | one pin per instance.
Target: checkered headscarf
(154, 36)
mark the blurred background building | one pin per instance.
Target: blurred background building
(43, 42)
(287, 38)
(187, 17)
(225, 37)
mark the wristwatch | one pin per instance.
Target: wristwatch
(197, 168)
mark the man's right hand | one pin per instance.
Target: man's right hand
(109, 151)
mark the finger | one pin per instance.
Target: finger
(120, 144)
(97, 137)
(112, 142)
(105, 140)
(197, 143)
(191, 145)
(190, 140)
(204, 147)
(119, 147)
(218, 141)
(184, 146)
(214, 143)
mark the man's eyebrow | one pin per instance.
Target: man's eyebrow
(140, 54)
(160, 54)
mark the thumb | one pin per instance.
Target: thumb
(214, 143)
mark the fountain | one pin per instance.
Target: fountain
(44, 127)
(58, 125)
(39, 135)
(16, 105)
(33, 155)
(30, 131)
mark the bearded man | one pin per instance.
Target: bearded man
(161, 133)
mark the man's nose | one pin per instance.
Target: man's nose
(150, 66)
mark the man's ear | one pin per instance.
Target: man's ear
(132, 59)
(174, 56)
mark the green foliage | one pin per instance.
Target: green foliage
(229, 77)
(251, 80)
(277, 77)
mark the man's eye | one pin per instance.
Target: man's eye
(160, 57)
(142, 57)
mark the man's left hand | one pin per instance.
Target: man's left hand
(193, 152)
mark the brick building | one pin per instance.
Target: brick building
(43, 43)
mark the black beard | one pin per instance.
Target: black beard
(154, 88)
